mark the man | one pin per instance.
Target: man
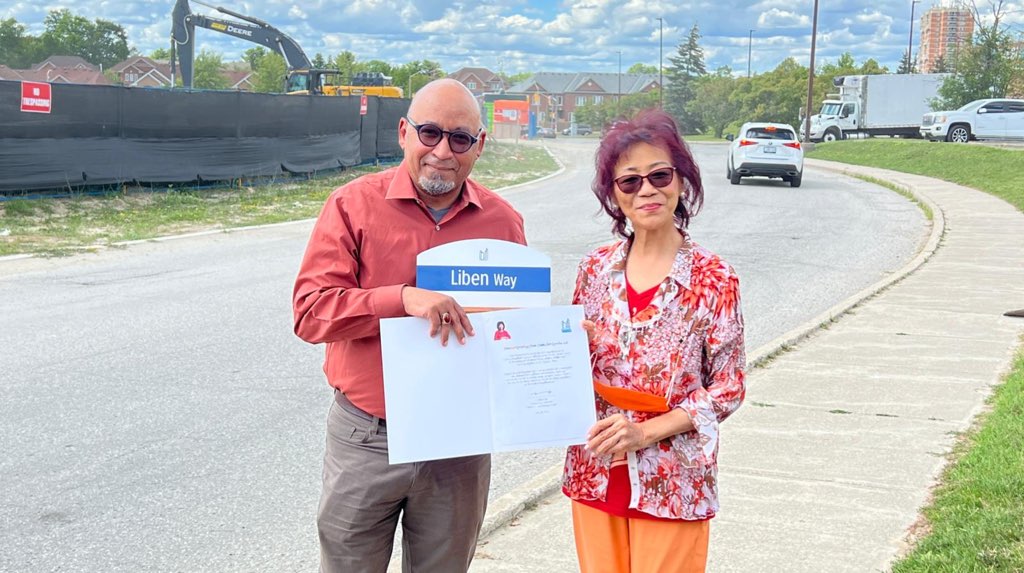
(360, 267)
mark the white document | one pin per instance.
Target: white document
(522, 382)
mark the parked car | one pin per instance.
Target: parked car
(581, 129)
(980, 119)
(766, 150)
(546, 132)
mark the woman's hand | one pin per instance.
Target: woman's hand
(590, 327)
(615, 435)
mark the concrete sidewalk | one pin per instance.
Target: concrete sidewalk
(829, 461)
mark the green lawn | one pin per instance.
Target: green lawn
(83, 221)
(975, 522)
(999, 171)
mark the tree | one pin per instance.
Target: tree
(100, 42)
(711, 102)
(871, 66)
(346, 63)
(907, 64)
(12, 39)
(160, 54)
(17, 49)
(207, 71)
(375, 66)
(270, 72)
(609, 110)
(988, 66)
(775, 96)
(939, 66)
(319, 61)
(685, 67)
(516, 78)
(639, 68)
(415, 74)
(252, 56)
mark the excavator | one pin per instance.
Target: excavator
(302, 79)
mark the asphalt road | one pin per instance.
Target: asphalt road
(157, 414)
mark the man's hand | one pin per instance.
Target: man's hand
(445, 315)
(615, 435)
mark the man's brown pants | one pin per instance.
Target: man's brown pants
(441, 503)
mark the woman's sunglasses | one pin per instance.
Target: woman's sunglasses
(659, 178)
(430, 135)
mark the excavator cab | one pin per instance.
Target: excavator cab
(297, 82)
(312, 81)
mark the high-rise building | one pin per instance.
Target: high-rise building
(943, 30)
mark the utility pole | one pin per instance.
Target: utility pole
(661, 79)
(910, 41)
(810, 76)
(750, 42)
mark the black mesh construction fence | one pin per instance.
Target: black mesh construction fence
(102, 135)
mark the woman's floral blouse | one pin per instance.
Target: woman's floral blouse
(687, 346)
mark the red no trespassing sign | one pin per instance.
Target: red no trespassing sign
(35, 97)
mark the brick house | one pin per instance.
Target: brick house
(479, 80)
(59, 70)
(145, 72)
(141, 71)
(241, 80)
(7, 73)
(556, 96)
(65, 63)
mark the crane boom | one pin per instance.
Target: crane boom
(250, 29)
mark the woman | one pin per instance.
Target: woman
(667, 347)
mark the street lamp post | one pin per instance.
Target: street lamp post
(420, 71)
(661, 80)
(750, 42)
(910, 41)
(810, 76)
(618, 94)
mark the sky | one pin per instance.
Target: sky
(514, 36)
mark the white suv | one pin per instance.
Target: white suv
(980, 119)
(766, 150)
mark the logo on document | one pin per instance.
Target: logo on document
(566, 326)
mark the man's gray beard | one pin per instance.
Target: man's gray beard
(435, 187)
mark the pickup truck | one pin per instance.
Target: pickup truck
(980, 119)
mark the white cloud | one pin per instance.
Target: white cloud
(529, 35)
(776, 18)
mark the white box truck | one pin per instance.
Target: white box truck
(889, 104)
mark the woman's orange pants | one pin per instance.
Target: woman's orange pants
(607, 543)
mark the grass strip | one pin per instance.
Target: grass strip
(901, 190)
(995, 170)
(976, 519)
(84, 221)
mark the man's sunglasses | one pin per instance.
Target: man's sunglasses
(659, 178)
(430, 135)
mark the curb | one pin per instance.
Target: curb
(517, 186)
(512, 504)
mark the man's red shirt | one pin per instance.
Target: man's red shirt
(361, 253)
